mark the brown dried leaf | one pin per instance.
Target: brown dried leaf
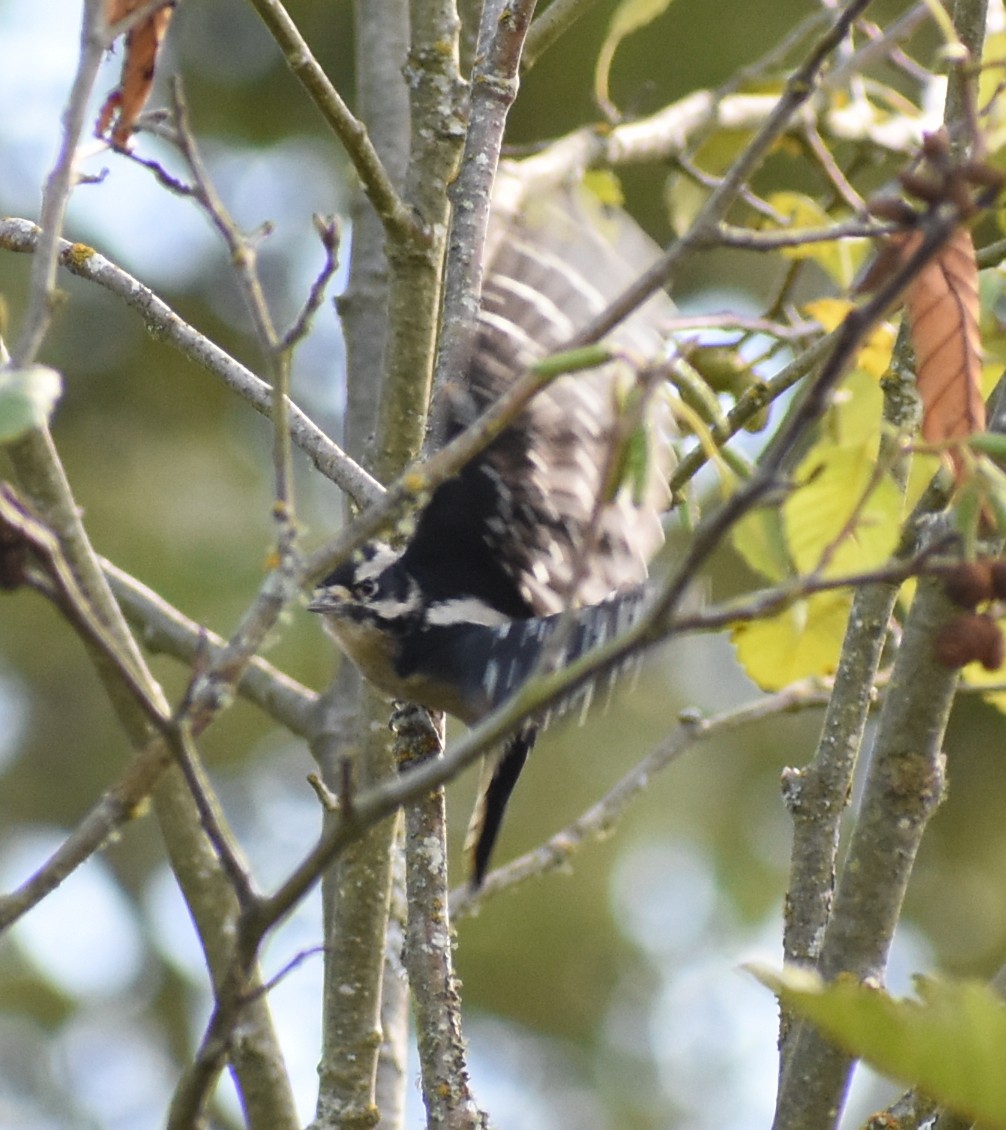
(124, 106)
(942, 306)
(943, 309)
(116, 10)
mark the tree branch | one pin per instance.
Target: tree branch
(377, 184)
(447, 1092)
(817, 795)
(364, 1006)
(493, 89)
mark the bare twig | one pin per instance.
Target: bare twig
(839, 181)
(162, 321)
(378, 186)
(276, 355)
(329, 231)
(163, 628)
(727, 235)
(599, 820)
(354, 1072)
(210, 816)
(550, 26)
(58, 187)
(436, 98)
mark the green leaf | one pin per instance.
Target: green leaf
(629, 16)
(634, 470)
(759, 538)
(949, 1043)
(27, 398)
(840, 518)
(991, 480)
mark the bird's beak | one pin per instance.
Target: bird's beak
(328, 598)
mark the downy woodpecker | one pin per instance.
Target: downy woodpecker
(457, 618)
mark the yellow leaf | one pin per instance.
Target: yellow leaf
(717, 152)
(990, 98)
(855, 416)
(924, 467)
(874, 356)
(803, 640)
(839, 258)
(829, 311)
(684, 199)
(839, 519)
(605, 185)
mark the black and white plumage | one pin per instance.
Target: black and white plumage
(458, 618)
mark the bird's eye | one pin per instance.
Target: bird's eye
(366, 588)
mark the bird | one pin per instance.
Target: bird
(459, 616)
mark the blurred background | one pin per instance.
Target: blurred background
(609, 997)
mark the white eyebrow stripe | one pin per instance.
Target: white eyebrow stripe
(465, 610)
(391, 608)
(372, 563)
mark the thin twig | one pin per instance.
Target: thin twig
(550, 26)
(66, 592)
(166, 325)
(329, 232)
(727, 235)
(188, 760)
(244, 259)
(58, 187)
(137, 16)
(603, 816)
(494, 87)
(162, 628)
(395, 215)
(427, 954)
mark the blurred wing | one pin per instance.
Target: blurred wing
(518, 515)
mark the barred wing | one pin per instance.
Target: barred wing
(515, 521)
(505, 657)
